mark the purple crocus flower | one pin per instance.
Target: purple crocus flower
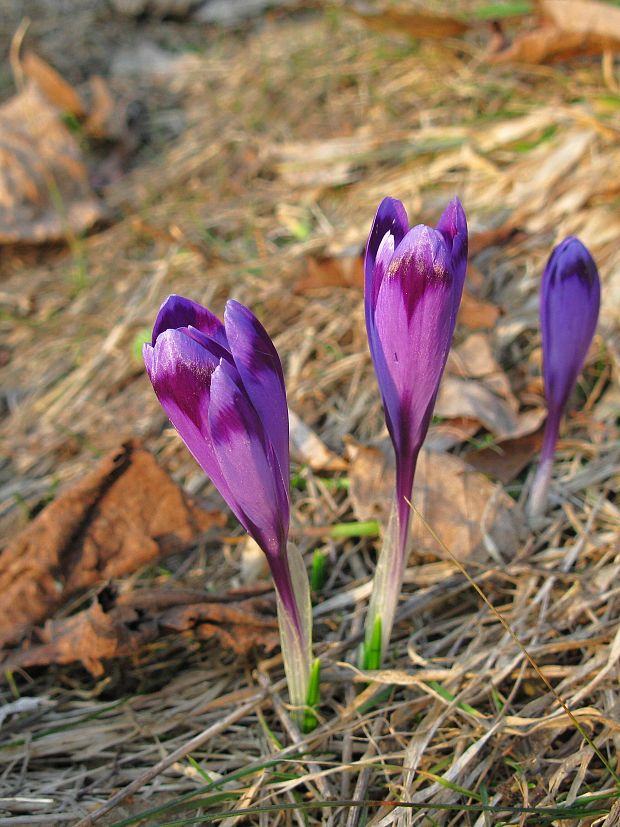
(222, 387)
(413, 285)
(570, 298)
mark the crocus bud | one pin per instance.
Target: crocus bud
(570, 298)
(222, 387)
(413, 285)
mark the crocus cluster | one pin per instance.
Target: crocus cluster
(222, 387)
(570, 298)
(413, 285)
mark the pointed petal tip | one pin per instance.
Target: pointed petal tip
(392, 204)
(571, 257)
(177, 311)
(261, 374)
(391, 216)
(234, 309)
(170, 308)
(570, 299)
(147, 356)
(453, 220)
(573, 247)
(571, 242)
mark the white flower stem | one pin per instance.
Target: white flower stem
(387, 583)
(539, 491)
(295, 638)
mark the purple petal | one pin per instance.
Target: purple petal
(569, 307)
(248, 463)
(391, 218)
(181, 370)
(453, 227)
(212, 345)
(178, 312)
(260, 369)
(147, 355)
(420, 262)
(413, 330)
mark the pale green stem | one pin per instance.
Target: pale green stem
(539, 492)
(297, 643)
(387, 582)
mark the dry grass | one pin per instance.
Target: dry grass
(292, 132)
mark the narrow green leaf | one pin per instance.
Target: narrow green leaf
(318, 571)
(448, 696)
(369, 528)
(314, 693)
(450, 785)
(372, 650)
(200, 770)
(498, 11)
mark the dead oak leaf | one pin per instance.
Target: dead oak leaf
(506, 460)
(44, 188)
(124, 514)
(470, 514)
(321, 272)
(477, 314)
(114, 628)
(567, 28)
(475, 399)
(53, 86)
(418, 23)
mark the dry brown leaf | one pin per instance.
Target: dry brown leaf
(475, 399)
(44, 188)
(97, 124)
(238, 627)
(88, 637)
(600, 20)
(491, 238)
(445, 435)
(114, 628)
(415, 23)
(541, 44)
(569, 27)
(124, 514)
(473, 357)
(54, 87)
(331, 272)
(492, 394)
(477, 314)
(506, 460)
(470, 514)
(371, 476)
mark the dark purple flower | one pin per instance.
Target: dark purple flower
(222, 387)
(413, 285)
(570, 298)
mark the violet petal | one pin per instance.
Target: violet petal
(247, 462)
(413, 332)
(453, 226)
(391, 218)
(569, 306)
(181, 371)
(177, 311)
(260, 370)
